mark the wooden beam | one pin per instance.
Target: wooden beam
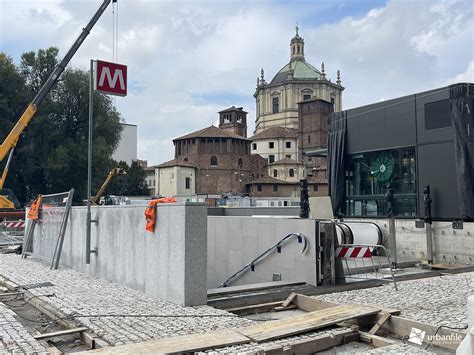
(305, 322)
(256, 308)
(288, 300)
(61, 332)
(310, 304)
(448, 338)
(313, 345)
(179, 344)
(375, 340)
(379, 323)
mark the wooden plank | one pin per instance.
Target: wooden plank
(256, 308)
(445, 266)
(312, 345)
(379, 323)
(179, 344)
(305, 322)
(310, 304)
(375, 340)
(288, 300)
(61, 332)
(279, 308)
(402, 327)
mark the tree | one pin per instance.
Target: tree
(131, 184)
(51, 155)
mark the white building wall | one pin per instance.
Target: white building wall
(171, 181)
(127, 148)
(279, 151)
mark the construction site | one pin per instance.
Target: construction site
(369, 252)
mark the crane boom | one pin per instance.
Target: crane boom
(114, 172)
(11, 140)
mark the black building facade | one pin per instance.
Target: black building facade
(405, 144)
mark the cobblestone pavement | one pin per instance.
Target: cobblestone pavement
(434, 300)
(101, 306)
(83, 295)
(14, 338)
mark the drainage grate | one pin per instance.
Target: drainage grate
(37, 285)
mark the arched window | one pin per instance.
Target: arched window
(239, 164)
(213, 160)
(294, 50)
(185, 159)
(275, 173)
(292, 172)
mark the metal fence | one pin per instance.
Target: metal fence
(54, 211)
(366, 262)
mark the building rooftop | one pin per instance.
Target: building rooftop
(302, 70)
(276, 132)
(175, 162)
(211, 132)
(233, 108)
(286, 161)
(268, 180)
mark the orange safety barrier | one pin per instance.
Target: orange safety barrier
(33, 213)
(150, 212)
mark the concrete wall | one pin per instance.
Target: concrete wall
(449, 245)
(169, 263)
(235, 241)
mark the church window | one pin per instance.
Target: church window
(315, 187)
(294, 50)
(239, 119)
(288, 144)
(275, 173)
(298, 49)
(288, 156)
(306, 97)
(276, 104)
(188, 183)
(259, 187)
(275, 188)
(213, 160)
(254, 146)
(292, 172)
(332, 100)
(185, 159)
(271, 145)
(271, 158)
(239, 164)
(309, 139)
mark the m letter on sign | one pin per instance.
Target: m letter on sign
(111, 78)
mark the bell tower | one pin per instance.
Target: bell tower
(234, 120)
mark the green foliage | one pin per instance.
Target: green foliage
(51, 155)
(131, 184)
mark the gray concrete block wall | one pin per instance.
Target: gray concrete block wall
(169, 263)
(235, 241)
(449, 245)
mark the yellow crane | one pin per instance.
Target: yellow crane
(113, 173)
(9, 144)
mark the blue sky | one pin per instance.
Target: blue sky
(188, 60)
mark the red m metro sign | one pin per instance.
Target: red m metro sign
(111, 78)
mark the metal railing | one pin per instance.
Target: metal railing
(363, 252)
(251, 265)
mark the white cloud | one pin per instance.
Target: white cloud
(188, 60)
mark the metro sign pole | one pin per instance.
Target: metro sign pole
(108, 78)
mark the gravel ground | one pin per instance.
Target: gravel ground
(14, 338)
(435, 300)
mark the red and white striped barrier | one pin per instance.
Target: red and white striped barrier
(14, 224)
(354, 252)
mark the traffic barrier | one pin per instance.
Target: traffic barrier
(14, 224)
(365, 268)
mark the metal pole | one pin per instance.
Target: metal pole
(89, 165)
(428, 221)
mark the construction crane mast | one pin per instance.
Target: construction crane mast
(10, 142)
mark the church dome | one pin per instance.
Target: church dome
(301, 69)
